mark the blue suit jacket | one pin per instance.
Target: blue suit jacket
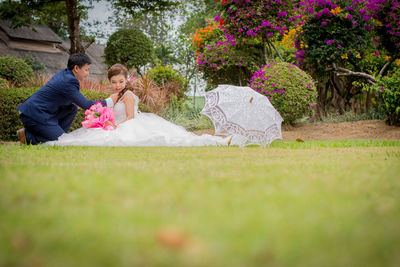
(61, 90)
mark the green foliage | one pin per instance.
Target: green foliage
(164, 54)
(11, 98)
(15, 70)
(333, 42)
(34, 63)
(50, 13)
(183, 113)
(139, 7)
(225, 63)
(291, 91)
(389, 91)
(163, 75)
(129, 47)
(288, 54)
(329, 36)
(3, 83)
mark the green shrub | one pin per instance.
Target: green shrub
(34, 63)
(388, 89)
(129, 47)
(15, 70)
(3, 83)
(164, 75)
(9, 117)
(187, 116)
(291, 91)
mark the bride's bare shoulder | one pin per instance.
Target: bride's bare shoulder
(129, 95)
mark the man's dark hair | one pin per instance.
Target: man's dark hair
(79, 59)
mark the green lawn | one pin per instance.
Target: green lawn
(326, 203)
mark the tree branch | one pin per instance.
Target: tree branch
(386, 66)
(276, 50)
(89, 43)
(62, 48)
(345, 72)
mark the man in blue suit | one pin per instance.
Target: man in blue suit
(49, 112)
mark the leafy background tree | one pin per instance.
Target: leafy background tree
(130, 47)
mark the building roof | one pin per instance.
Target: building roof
(54, 62)
(40, 33)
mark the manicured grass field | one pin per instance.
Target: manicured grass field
(326, 203)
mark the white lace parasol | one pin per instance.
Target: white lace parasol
(244, 114)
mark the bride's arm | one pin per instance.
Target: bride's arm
(129, 102)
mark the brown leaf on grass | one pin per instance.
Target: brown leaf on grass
(298, 139)
(172, 238)
(230, 140)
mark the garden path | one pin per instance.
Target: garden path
(366, 129)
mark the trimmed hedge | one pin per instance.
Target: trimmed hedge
(3, 83)
(11, 98)
(130, 47)
(291, 90)
(15, 70)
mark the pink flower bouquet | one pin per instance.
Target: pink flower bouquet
(98, 116)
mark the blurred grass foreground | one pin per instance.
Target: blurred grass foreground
(292, 204)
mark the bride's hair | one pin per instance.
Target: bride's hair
(118, 69)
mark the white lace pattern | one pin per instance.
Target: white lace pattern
(246, 115)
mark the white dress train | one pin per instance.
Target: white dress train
(145, 129)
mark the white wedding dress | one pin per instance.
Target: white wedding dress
(145, 129)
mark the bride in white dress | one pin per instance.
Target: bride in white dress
(133, 127)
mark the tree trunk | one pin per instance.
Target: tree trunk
(73, 27)
(194, 96)
(264, 41)
(368, 101)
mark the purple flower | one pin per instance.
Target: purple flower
(323, 23)
(330, 42)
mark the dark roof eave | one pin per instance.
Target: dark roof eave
(33, 40)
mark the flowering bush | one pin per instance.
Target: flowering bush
(223, 60)
(15, 70)
(206, 36)
(388, 90)
(258, 18)
(387, 24)
(333, 31)
(291, 91)
(98, 116)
